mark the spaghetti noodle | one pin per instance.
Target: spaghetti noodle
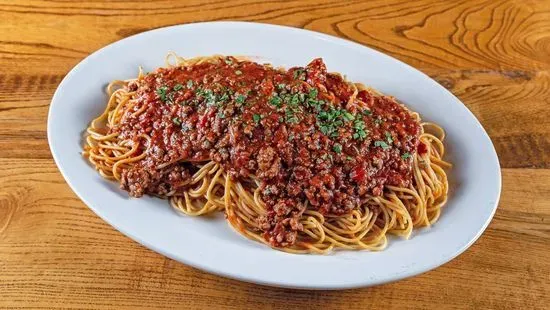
(298, 159)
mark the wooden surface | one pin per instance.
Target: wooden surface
(493, 55)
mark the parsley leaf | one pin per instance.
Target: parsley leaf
(276, 101)
(337, 148)
(381, 144)
(360, 132)
(178, 87)
(299, 74)
(313, 93)
(240, 98)
(389, 137)
(348, 116)
(161, 92)
(257, 118)
(238, 72)
(176, 121)
(190, 84)
(406, 155)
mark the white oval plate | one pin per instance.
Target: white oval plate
(210, 244)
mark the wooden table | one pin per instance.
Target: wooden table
(493, 55)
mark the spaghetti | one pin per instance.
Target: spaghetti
(300, 159)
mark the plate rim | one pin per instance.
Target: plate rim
(222, 271)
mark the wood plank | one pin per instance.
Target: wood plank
(426, 34)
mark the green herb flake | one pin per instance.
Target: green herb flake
(292, 119)
(298, 74)
(382, 144)
(240, 98)
(161, 92)
(221, 114)
(238, 72)
(276, 101)
(178, 87)
(190, 84)
(406, 155)
(389, 137)
(337, 148)
(257, 118)
(281, 86)
(224, 97)
(313, 93)
(302, 97)
(349, 158)
(176, 121)
(367, 112)
(295, 100)
(348, 116)
(378, 121)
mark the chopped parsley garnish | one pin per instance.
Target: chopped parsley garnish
(240, 98)
(161, 92)
(176, 121)
(406, 155)
(178, 87)
(378, 121)
(224, 97)
(228, 61)
(360, 132)
(329, 121)
(337, 148)
(381, 144)
(315, 103)
(199, 92)
(367, 112)
(302, 97)
(276, 101)
(257, 118)
(238, 72)
(389, 137)
(290, 117)
(299, 74)
(221, 114)
(210, 97)
(190, 84)
(313, 93)
(295, 99)
(348, 116)
(349, 158)
(281, 86)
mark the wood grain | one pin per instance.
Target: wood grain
(493, 55)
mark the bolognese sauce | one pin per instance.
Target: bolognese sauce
(305, 136)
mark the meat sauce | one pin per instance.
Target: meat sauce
(297, 131)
